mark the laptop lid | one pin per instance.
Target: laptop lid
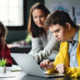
(30, 66)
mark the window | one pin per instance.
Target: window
(12, 13)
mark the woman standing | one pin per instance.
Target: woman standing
(43, 41)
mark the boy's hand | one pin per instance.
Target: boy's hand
(61, 68)
(46, 64)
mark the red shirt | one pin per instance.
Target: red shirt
(5, 53)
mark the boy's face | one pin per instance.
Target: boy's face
(59, 32)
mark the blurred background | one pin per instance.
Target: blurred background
(15, 13)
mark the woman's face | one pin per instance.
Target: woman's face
(39, 17)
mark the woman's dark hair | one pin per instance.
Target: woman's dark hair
(33, 29)
(59, 17)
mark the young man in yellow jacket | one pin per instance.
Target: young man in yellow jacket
(67, 32)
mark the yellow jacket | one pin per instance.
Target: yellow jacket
(62, 57)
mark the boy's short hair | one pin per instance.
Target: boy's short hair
(59, 17)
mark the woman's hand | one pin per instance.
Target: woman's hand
(46, 64)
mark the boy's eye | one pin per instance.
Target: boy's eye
(57, 30)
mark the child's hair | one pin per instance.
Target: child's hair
(3, 33)
(3, 30)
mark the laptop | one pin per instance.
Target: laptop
(30, 66)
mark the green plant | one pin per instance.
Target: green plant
(3, 62)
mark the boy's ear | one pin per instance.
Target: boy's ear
(68, 25)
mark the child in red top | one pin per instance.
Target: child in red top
(4, 50)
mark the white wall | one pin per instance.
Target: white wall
(49, 4)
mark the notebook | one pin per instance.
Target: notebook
(30, 66)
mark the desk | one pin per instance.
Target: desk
(38, 78)
(20, 75)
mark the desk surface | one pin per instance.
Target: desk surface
(20, 75)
